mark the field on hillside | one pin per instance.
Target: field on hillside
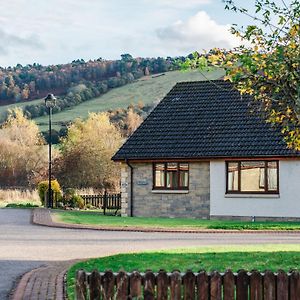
(4, 108)
(148, 89)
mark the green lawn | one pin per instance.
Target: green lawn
(146, 89)
(76, 217)
(271, 257)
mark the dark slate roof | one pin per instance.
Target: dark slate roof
(204, 119)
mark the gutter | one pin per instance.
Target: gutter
(131, 186)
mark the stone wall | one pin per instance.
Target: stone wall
(194, 203)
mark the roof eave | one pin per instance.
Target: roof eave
(206, 158)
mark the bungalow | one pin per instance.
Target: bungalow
(205, 152)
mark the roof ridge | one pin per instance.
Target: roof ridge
(204, 81)
(218, 83)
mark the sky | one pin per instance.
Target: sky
(59, 31)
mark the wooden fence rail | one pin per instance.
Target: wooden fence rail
(104, 202)
(189, 286)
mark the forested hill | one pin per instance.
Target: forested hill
(25, 83)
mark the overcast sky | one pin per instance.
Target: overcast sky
(59, 31)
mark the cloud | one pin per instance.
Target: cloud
(12, 41)
(199, 32)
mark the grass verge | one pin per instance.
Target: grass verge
(264, 257)
(75, 217)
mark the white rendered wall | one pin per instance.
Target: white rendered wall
(287, 204)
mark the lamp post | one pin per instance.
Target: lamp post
(50, 102)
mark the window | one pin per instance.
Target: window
(171, 175)
(252, 177)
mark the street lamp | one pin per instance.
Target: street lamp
(50, 102)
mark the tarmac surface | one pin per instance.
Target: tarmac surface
(24, 246)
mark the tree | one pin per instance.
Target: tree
(86, 154)
(268, 69)
(23, 156)
(132, 121)
(25, 92)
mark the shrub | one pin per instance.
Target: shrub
(72, 199)
(43, 188)
(89, 206)
(77, 202)
(69, 193)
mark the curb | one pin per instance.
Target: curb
(18, 292)
(51, 283)
(42, 216)
(20, 289)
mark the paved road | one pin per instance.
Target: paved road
(24, 246)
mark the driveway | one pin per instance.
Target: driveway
(24, 246)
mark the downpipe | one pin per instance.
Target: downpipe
(131, 187)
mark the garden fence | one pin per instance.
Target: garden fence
(106, 202)
(201, 286)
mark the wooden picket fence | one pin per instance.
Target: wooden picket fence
(201, 286)
(106, 202)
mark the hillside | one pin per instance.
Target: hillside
(148, 89)
(4, 108)
(26, 83)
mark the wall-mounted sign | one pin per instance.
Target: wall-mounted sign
(142, 182)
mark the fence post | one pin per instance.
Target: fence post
(189, 285)
(81, 289)
(136, 285)
(256, 286)
(108, 283)
(242, 282)
(269, 286)
(202, 286)
(162, 285)
(122, 286)
(149, 286)
(95, 285)
(104, 202)
(54, 199)
(216, 286)
(294, 285)
(175, 285)
(282, 285)
(46, 199)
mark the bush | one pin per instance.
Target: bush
(43, 188)
(77, 202)
(89, 206)
(69, 193)
(71, 199)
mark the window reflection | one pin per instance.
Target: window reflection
(171, 175)
(183, 175)
(272, 176)
(159, 175)
(233, 176)
(253, 176)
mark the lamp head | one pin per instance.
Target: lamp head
(50, 101)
